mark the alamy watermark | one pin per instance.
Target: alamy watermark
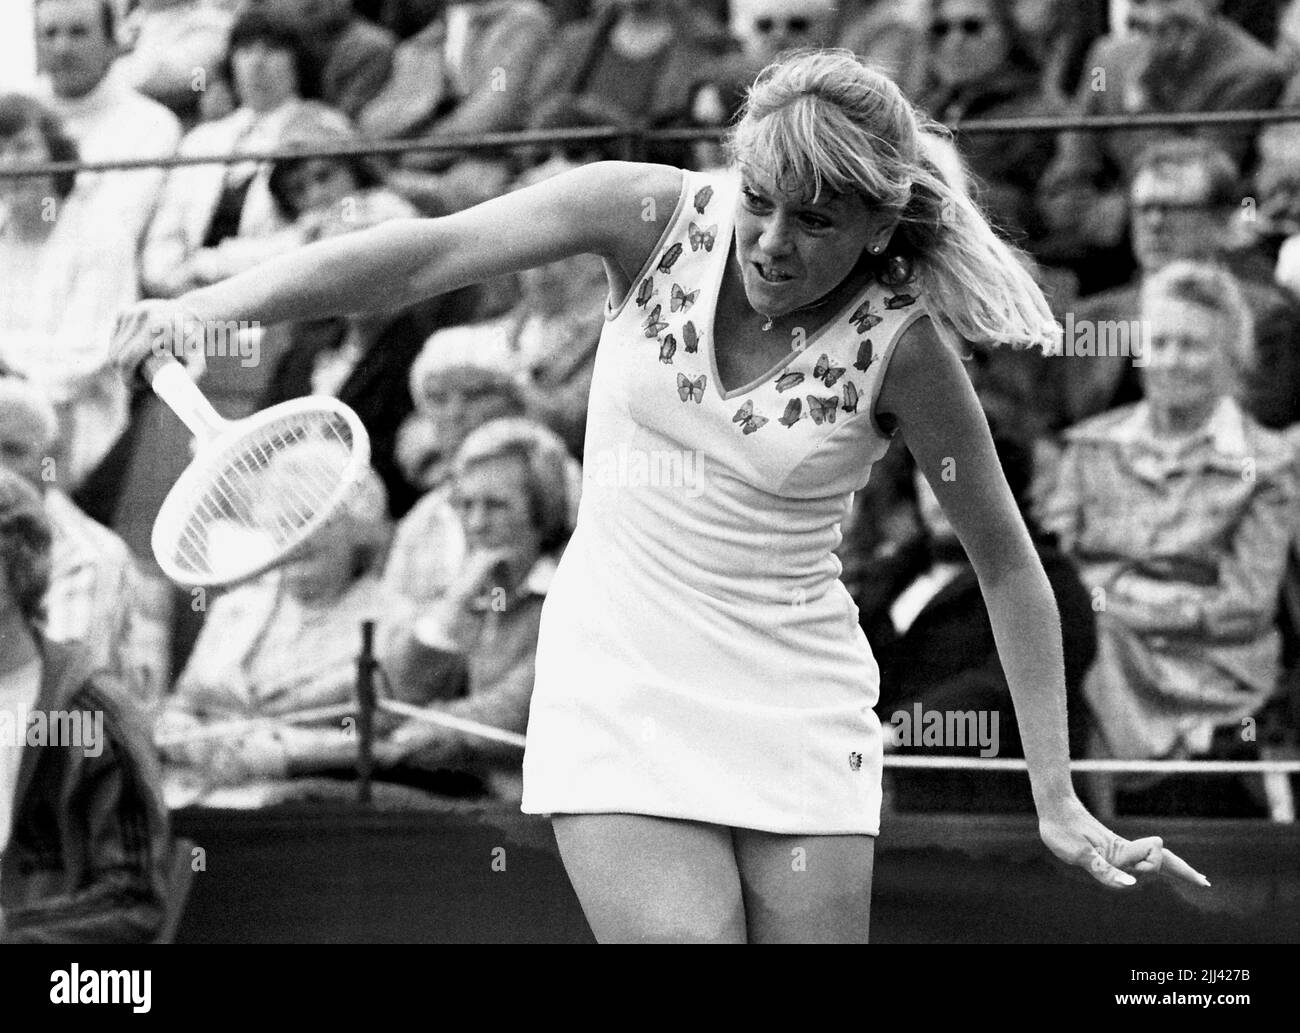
(1101, 338)
(671, 469)
(79, 729)
(182, 338)
(945, 729)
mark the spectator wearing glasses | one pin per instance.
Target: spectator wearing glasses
(1186, 203)
(981, 68)
(1178, 56)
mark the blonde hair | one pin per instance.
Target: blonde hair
(821, 120)
(1213, 288)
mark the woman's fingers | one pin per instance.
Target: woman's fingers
(1176, 868)
(1105, 872)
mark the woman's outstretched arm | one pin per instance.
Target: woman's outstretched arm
(600, 209)
(928, 394)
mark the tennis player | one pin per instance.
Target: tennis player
(701, 728)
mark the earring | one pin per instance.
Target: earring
(875, 249)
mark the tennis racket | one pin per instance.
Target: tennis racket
(257, 488)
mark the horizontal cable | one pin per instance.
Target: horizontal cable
(474, 142)
(1155, 767)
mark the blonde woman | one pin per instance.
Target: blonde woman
(703, 701)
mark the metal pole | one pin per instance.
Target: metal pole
(365, 710)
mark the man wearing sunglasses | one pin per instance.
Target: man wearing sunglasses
(1177, 56)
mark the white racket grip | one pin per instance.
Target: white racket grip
(173, 385)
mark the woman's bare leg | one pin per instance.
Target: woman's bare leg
(805, 889)
(659, 880)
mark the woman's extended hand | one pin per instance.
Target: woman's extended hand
(1075, 836)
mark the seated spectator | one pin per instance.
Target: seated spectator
(98, 597)
(889, 36)
(173, 51)
(980, 68)
(1180, 511)
(1176, 58)
(106, 117)
(930, 632)
(1186, 202)
(355, 56)
(282, 644)
(461, 379)
(203, 206)
(468, 72)
(64, 273)
(1276, 226)
(642, 57)
(84, 840)
(472, 653)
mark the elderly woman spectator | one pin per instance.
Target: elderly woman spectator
(462, 378)
(84, 838)
(1180, 511)
(981, 68)
(205, 206)
(278, 646)
(472, 653)
(64, 273)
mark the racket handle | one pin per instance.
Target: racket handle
(173, 385)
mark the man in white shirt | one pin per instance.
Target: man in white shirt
(109, 120)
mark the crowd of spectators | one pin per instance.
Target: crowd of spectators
(1161, 483)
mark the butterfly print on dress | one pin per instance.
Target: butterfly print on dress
(793, 413)
(690, 337)
(827, 373)
(702, 198)
(746, 418)
(670, 257)
(850, 403)
(863, 318)
(788, 380)
(645, 292)
(667, 348)
(898, 301)
(702, 236)
(653, 325)
(691, 390)
(823, 410)
(866, 355)
(682, 299)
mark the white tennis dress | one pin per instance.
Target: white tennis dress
(698, 656)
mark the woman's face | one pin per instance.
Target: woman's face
(265, 76)
(319, 184)
(491, 499)
(968, 43)
(26, 147)
(791, 251)
(1186, 364)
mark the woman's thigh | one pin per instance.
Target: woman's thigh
(646, 879)
(805, 889)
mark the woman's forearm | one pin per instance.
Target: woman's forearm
(372, 270)
(1027, 628)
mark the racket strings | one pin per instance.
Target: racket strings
(266, 491)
